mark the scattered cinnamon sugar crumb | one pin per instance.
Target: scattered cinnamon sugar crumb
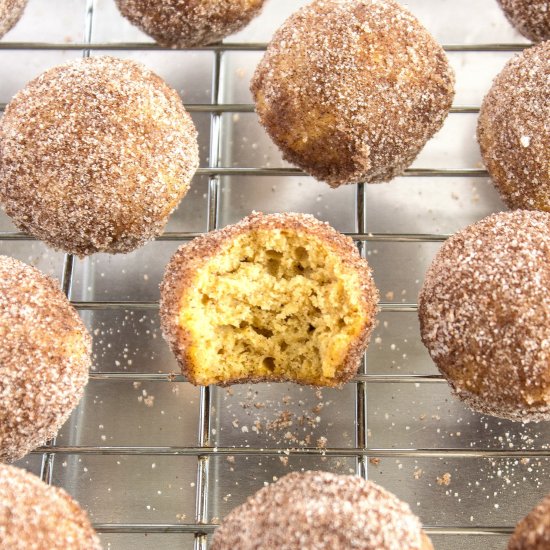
(445, 479)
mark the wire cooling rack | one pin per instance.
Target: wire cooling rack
(490, 447)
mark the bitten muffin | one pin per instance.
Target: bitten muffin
(35, 516)
(485, 314)
(184, 24)
(530, 17)
(95, 155)
(10, 13)
(45, 356)
(351, 90)
(273, 298)
(513, 130)
(321, 511)
(533, 531)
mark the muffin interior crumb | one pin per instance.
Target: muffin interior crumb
(273, 304)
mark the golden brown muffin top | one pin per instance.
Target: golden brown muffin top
(533, 531)
(35, 516)
(351, 90)
(513, 130)
(187, 23)
(485, 314)
(318, 511)
(530, 17)
(45, 356)
(94, 155)
(10, 12)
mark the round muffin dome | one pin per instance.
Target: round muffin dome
(530, 17)
(321, 511)
(280, 297)
(35, 516)
(45, 356)
(95, 155)
(351, 90)
(533, 531)
(485, 314)
(513, 130)
(178, 24)
(10, 12)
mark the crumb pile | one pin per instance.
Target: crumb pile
(274, 297)
(485, 314)
(178, 24)
(95, 155)
(533, 531)
(35, 516)
(10, 12)
(297, 417)
(45, 356)
(319, 510)
(530, 17)
(351, 90)
(513, 130)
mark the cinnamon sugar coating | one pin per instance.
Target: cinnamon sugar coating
(351, 90)
(184, 23)
(321, 511)
(513, 130)
(95, 155)
(533, 531)
(180, 281)
(10, 13)
(485, 314)
(35, 516)
(45, 356)
(530, 17)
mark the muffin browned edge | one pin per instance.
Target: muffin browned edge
(180, 273)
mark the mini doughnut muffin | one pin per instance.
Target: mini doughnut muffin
(10, 12)
(351, 90)
(35, 516)
(45, 356)
(530, 17)
(281, 297)
(513, 130)
(95, 155)
(533, 531)
(184, 24)
(485, 314)
(321, 511)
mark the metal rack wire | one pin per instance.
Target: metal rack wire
(204, 450)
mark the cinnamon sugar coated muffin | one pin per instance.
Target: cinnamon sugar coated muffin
(45, 356)
(533, 531)
(95, 155)
(273, 298)
(530, 17)
(35, 516)
(321, 511)
(10, 13)
(513, 130)
(485, 314)
(351, 90)
(185, 23)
